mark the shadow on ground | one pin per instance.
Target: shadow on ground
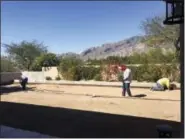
(63, 122)
(13, 89)
(140, 95)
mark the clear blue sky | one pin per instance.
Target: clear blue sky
(74, 26)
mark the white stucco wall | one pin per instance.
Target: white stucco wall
(41, 75)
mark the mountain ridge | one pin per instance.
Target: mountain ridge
(121, 48)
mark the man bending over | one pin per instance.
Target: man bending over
(23, 82)
(162, 84)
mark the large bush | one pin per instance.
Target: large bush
(7, 65)
(98, 77)
(152, 73)
(74, 69)
(89, 73)
(57, 78)
(70, 68)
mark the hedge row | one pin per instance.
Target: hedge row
(82, 73)
(150, 73)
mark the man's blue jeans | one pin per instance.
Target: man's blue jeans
(158, 87)
(126, 88)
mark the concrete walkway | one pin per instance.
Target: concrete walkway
(9, 132)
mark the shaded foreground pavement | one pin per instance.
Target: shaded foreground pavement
(63, 122)
(9, 132)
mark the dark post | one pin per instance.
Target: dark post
(182, 76)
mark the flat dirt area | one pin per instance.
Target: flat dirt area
(146, 109)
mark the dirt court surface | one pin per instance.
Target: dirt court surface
(89, 112)
(157, 105)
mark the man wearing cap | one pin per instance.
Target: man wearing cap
(127, 78)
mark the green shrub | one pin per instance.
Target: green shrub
(48, 78)
(88, 73)
(76, 73)
(7, 65)
(152, 73)
(70, 68)
(120, 77)
(134, 72)
(58, 78)
(36, 67)
(137, 72)
(98, 77)
(79, 72)
(74, 69)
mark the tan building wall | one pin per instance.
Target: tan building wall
(51, 72)
(41, 75)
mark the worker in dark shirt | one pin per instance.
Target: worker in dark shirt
(23, 82)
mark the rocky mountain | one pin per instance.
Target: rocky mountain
(70, 54)
(122, 48)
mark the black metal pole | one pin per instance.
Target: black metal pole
(182, 76)
(166, 10)
(173, 10)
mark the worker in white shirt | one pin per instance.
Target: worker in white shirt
(127, 78)
(23, 81)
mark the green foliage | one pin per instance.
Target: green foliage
(70, 68)
(152, 73)
(74, 73)
(45, 60)
(89, 73)
(149, 73)
(48, 78)
(67, 63)
(97, 77)
(113, 60)
(48, 60)
(7, 65)
(25, 53)
(58, 78)
(156, 33)
(36, 66)
(154, 56)
(120, 76)
(74, 69)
